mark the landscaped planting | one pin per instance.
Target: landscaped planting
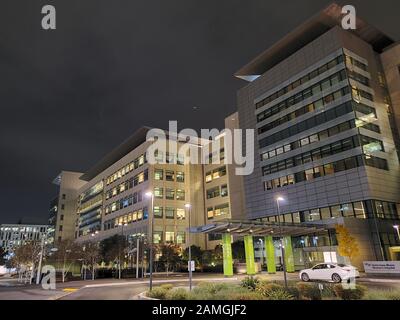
(253, 288)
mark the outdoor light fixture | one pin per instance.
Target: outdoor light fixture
(279, 199)
(188, 206)
(150, 195)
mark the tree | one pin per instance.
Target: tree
(25, 258)
(65, 254)
(113, 249)
(170, 256)
(347, 244)
(196, 253)
(91, 255)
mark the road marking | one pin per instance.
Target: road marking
(70, 289)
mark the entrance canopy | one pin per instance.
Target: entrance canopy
(258, 228)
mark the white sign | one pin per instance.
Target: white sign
(191, 266)
(382, 266)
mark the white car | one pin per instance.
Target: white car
(329, 272)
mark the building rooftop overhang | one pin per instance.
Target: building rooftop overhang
(310, 30)
(257, 228)
(122, 150)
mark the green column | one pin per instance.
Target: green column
(270, 254)
(227, 254)
(249, 251)
(289, 260)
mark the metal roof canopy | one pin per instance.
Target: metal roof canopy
(257, 228)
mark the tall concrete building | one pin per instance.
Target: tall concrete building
(63, 207)
(112, 197)
(323, 102)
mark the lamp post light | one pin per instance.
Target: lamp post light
(119, 249)
(278, 200)
(151, 196)
(189, 208)
(397, 229)
(138, 236)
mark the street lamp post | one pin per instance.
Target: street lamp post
(151, 196)
(189, 207)
(119, 250)
(282, 246)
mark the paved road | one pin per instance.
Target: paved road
(112, 289)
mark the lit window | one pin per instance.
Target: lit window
(169, 212)
(158, 192)
(180, 176)
(180, 213)
(169, 194)
(180, 237)
(180, 194)
(169, 236)
(158, 174)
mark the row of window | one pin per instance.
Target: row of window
(216, 156)
(169, 237)
(331, 64)
(314, 90)
(215, 174)
(359, 94)
(170, 194)
(170, 212)
(318, 119)
(139, 161)
(358, 77)
(350, 60)
(170, 158)
(320, 153)
(216, 211)
(90, 193)
(170, 175)
(316, 105)
(128, 184)
(124, 202)
(319, 136)
(358, 209)
(131, 217)
(326, 169)
(217, 191)
(89, 204)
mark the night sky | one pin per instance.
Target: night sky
(69, 96)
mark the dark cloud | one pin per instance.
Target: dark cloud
(68, 96)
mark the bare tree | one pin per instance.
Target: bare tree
(25, 258)
(91, 255)
(65, 254)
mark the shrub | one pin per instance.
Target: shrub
(393, 294)
(250, 283)
(349, 294)
(249, 295)
(177, 294)
(279, 294)
(157, 293)
(309, 291)
(294, 292)
(264, 287)
(167, 286)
